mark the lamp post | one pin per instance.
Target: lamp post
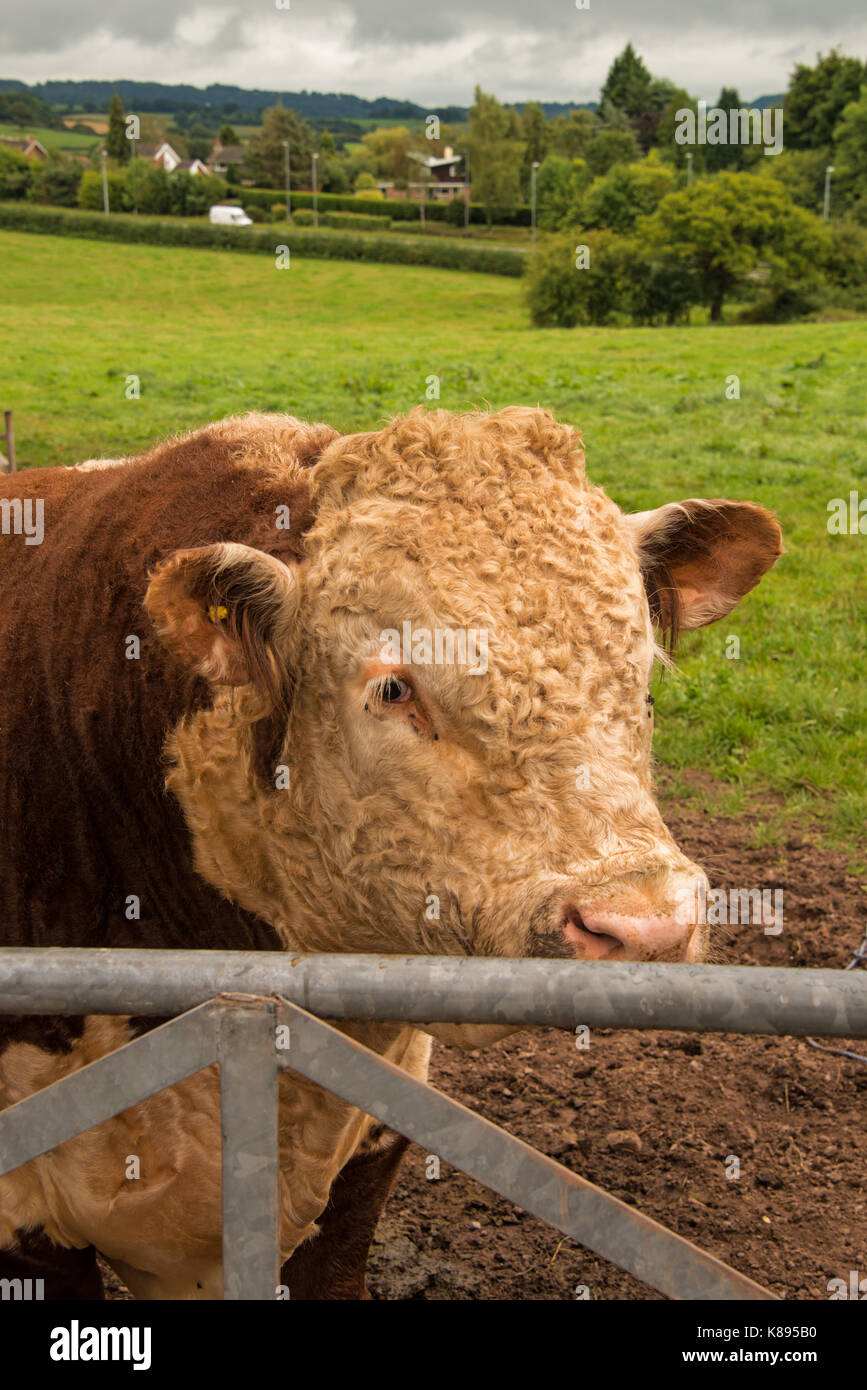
(286, 175)
(315, 193)
(533, 167)
(104, 182)
(828, 172)
(688, 168)
(469, 194)
(134, 180)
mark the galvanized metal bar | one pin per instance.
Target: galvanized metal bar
(107, 1086)
(251, 1163)
(518, 1172)
(443, 989)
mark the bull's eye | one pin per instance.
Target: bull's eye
(394, 690)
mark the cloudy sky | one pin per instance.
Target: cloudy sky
(431, 51)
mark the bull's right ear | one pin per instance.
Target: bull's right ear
(226, 611)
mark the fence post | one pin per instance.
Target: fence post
(9, 465)
(248, 1099)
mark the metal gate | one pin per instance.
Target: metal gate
(230, 1006)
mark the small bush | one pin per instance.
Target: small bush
(278, 212)
(256, 214)
(302, 217)
(621, 275)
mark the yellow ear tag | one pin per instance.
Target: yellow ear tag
(215, 613)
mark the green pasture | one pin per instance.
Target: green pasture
(68, 141)
(783, 728)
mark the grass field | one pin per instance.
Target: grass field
(210, 334)
(70, 141)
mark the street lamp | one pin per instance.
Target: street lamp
(286, 174)
(533, 167)
(315, 193)
(469, 193)
(828, 172)
(688, 168)
(104, 182)
(134, 179)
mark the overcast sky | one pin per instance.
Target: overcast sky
(430, 51)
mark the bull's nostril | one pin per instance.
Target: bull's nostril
(594, 942)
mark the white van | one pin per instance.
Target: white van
(222, 215)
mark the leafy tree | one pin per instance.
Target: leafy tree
(497, 154)
(569, 134)
(199, 141)
(558, 187)
(153, 190)
(364, 181)
(802, 174)
(608, 147)
(15, 173)
(724, 227)
(226, 135)
(116, 144)
(850, 150)
(535, 133)
(387, 151)
(626, 192)
(90, 190)
(265, 156)
(56, 180)
(817, 96)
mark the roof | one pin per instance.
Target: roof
(228, 154)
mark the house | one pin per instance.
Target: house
(442, 178)
(224, 156)
(28, 146)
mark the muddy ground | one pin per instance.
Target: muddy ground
(655, 1117)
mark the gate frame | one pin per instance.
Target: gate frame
(240, 1031)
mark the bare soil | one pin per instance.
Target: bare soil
(654, 1118)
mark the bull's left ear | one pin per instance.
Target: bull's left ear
(226, 611)
(698, 558)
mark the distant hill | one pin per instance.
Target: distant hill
(218, 102)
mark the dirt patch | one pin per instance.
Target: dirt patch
(655, 1118)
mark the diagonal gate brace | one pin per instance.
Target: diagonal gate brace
(507, 1165)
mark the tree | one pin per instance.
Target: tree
(569, 134)
(116, 144)
(558, 185)
(199, 141)
(497, 154)
(387, 152)
(724, 227)
(627, 192)
(628, 84)
(265, 157)
(817, 96)
(850, 149)
(608, 147)
(56, 180)
(535, 133)
(226, 135)
(717, 157)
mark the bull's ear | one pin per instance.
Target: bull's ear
(698, 558)
(226, 611)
